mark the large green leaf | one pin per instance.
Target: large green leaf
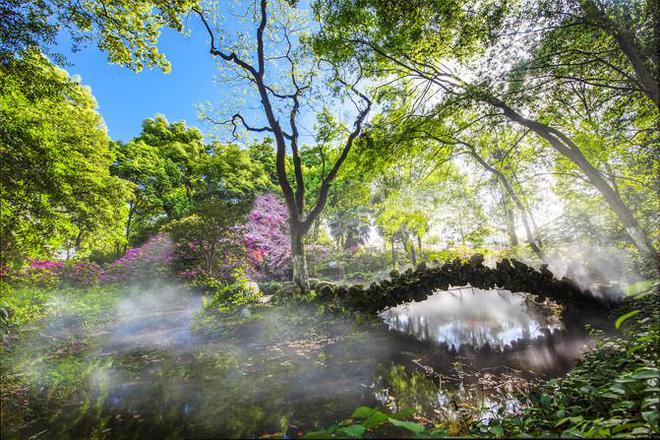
(362, 412)
(410, 426)
(646, 373)
(376, 419)
(623, 318)
(353, 431)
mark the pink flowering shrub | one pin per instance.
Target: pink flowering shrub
(267, 238)
(81, 274)
(42, 272)
(150, 261)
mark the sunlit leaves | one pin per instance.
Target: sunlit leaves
(56, 187)
(127, 30)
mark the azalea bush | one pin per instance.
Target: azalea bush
(150, 261)
(42, 272)
(267, 238)
(81, 274)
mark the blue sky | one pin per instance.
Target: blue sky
(126, 98)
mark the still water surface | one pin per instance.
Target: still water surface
(158, 371)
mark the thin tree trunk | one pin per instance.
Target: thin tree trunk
(131, 212)
(79, 239)
(413, 254)
(394, 262)
(460, 226)
(505, 182)
(510, 220)
(566, 147)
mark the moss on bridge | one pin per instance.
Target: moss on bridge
(419, 283)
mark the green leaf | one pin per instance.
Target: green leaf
(651, 417)
(403, 414)
(318, 434)
(621, 319)
(410, 426)
(562, 421)
(646, 373)
(362, 412)
(497, 430)
(640, 287)
(353, 431)
(376, 419)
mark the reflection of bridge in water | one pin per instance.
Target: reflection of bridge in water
(491, 329)
(469, 316)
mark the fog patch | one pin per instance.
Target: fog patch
(604, 270)
(154, 317)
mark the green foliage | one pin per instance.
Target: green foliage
(23, 305)
(163, 165)
(127, 30)
(226, 295)
(56, 189)
(611, 392)
(444, 28)
(209, 240)
(366, 420)
(234, 174)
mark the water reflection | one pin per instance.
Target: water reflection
(268, 370)
(474, 317)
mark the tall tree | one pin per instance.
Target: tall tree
(56, 189)
(274, 27)
(179, 144)
(414, 55)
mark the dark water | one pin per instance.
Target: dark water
(157, 371)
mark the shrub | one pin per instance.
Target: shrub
(267, 238)
(227, 294)
(81, 274)
(150, 261)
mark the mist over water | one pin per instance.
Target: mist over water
(604, 270)
(157, 368)
(471, 316)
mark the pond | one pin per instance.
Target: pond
(472, 317)
(159, 370)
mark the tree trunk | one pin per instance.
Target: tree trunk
(131, 212)
(460, 226)
(419, 242)
(566, 147)
(510, 221)
(298, 259)
(78, 240)
(413, 254)
(505, 182)
(394, 262)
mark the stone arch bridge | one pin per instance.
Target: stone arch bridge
(419, 283)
